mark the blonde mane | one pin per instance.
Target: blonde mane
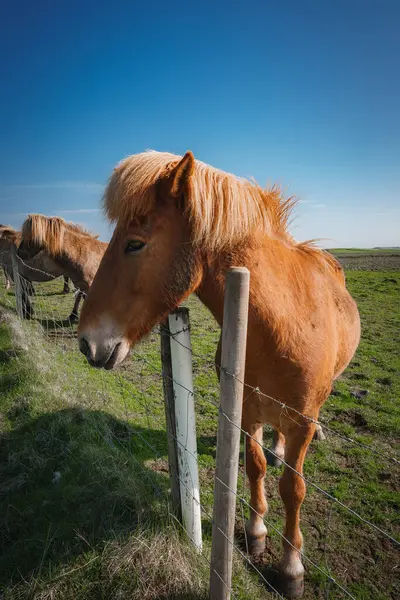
(222, 208)
(49, 232)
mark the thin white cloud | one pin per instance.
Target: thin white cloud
(65, 185)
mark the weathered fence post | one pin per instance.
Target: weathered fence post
(182, 428)
(169, 404)
(17, 283)
(234, 335)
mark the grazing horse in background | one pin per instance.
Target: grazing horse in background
(73, 249)
(39, 269)
(180, 225)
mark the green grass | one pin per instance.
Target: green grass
(83, 471)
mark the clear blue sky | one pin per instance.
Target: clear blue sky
(302, 93)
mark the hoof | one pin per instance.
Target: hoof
(272, 460)
(291, 587)
(256, 545)
(65, 291)
(73, 318)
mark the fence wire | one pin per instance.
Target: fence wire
(142, 379)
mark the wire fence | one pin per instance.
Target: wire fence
(133, 395)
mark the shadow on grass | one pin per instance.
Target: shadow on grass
(70, 481)
(6, 356)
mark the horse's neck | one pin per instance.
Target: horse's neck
(211, 291)
(81, 257)
(69, 251)
(271, 263)
(73, 255)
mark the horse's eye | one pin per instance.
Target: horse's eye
(134, 246)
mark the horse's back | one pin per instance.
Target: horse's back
(303, 321)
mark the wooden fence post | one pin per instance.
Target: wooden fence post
(17, 282)
(182, 423)
(234, 336)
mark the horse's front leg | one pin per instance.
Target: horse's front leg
(256, 465)
(293, 489)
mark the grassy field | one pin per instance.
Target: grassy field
(83, 463)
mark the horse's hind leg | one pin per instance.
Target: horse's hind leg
(293, 489)
(66, 285)
(319, 434)
(256, 465)
(276, 455)
(74, 314)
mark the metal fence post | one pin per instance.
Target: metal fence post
(185, 423)
(234, 336)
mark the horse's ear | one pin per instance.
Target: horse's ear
(179, 177)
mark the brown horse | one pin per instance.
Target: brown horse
(180, 224)
(40, 269)
(73, 249)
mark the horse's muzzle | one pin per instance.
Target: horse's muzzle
(103, 343)
(103, 358)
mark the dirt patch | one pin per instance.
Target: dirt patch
(384, 381)
(159, 465)
(358, 393)
(371, 262)
(353, 364)
(352, 417)
(357, 376)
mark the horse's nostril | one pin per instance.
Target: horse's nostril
(84, 346)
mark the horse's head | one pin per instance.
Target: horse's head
(149, 267)
(8, 237)
(28, 250)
